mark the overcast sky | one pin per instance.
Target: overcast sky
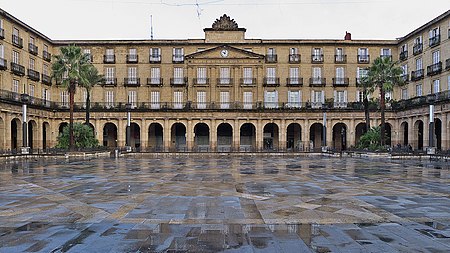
(265, 19)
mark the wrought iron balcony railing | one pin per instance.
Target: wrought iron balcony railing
(132, 58)
(33, 75)
(17, 41)
(155, 82)
(340, 81)
(46, 79)
(317, 82)
(340, 58)
(201, 81)
(294, 81)
(417, 49)
(109, 81)
(178, 59)
(248, 81)
(434, 41)
(132, 81)
(271, 58)
(434, 69)
(224, 81)
(3, 64)
(154, 58)
(417, 75)
(17, 69)
(363, 58)
(46, 56)
(109, 58)
(32, 48)
(294, 58)
(317, 58)
(271, 81)
(178, 82)
(403, 55)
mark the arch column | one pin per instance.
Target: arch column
(98, 133)
(259, 135)
(444, 131)
(330, 133)
(213, 135)
(426, 127)
(166, 135)
(411, 136)
(236, 135)
(305, 134)
(189, 135)
(144, 134)
(120, 134)
(282, 135)
(351, 133)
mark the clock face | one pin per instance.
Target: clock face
(224, 53)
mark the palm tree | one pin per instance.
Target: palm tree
(367, 89)
(384, 74)
(89, 79)
(69, 67)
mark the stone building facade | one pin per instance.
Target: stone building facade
(225, 92)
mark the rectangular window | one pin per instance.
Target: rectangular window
(109, 51)
(109, 75)
(178, 100)
(435, 57)
(86, 51)
(15, 57)
(248, 100)
(31, 90)
(388, 95)
(155, 76)
(317, 98)
(317, 55)
(46, 97)
(294, 75)
(155, 100)
(2, 51)
(201, 75)
(201, 99)
(224, 76)
(339, 51)
(132, 55)
(363, 55)
(405, 93)
(436, 86)
(404, 69)
(385, 52)
(64, 98)
(359, 96)
(404, 48)
(109, 99)
(434, 32)
(84, 98)
(45, 69)
(340, 75)
(178, 75)
(178, 54)
(248, 76)
(294, 99)
(419, 90)
(271, 76)
(15, 31)
(340, 98)
(317, 75)
(419, 64)
(293, 51)
(224, 100)
(132, 98)
(132, 75)
(270, 99)
(32, 63)
(271, 51)
(418, 40)
(132, 51)
(15, 86)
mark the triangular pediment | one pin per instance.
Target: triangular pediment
(225, 52)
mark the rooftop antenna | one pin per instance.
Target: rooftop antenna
(151, 27)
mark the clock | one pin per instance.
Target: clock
(224, 53)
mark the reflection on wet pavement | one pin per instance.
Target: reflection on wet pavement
(224, 204)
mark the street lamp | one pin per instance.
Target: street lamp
(431, 150)
(25, 149)
(128, 129)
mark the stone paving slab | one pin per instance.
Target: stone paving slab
(224, 204)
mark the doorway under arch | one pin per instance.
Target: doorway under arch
(294, 137)
(224, 137)
(178, 137)
(270, 137)
(156, 137)
(110, 135)
(247, 137)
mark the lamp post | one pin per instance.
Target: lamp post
(431, 150)
(128, 129)
(25, 149)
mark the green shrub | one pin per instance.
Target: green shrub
(371, 140)
(83, 135)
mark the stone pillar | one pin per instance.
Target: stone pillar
(282, 134)
(167, 133)
(305, 134)
(213, 135)
(259, 135)
(121, 133)
(98, 132)
(351, 133)
(236, 135)
(144, 134)
(425, 134)
(412, 140)
(8, 129)
(329, 133)
(444, 142)
(189, 135)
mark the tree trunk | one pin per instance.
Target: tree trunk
(366, 110)
(88, 107)
(71, 104)
(382, 105)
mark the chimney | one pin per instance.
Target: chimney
(348, 36)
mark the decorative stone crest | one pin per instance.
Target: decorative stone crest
(225, 23)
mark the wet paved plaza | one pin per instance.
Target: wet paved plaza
(224, 204)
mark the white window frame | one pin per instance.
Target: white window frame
(64, 98)
(109, 75)
(224, 74)
(247, 100)
(109, 99)
(178, 75)
(436, 86)
(155, 100)
(405, 93)
(224, 99)
(317, 98)
(201, 75)
(340, 98)
(294, 99)
(155, 75)
(248, 75)
(201, 99)
(132, 98)
(177, 100)
(15, 57)
(271, 99)
(419, 90)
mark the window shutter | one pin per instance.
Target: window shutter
(323, 97)
(345, 96)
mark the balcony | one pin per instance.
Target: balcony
(271, 81)
(109, 81)
(178, 59)
(417, 49)
(224, 81)
(447, 64)
(17, 41)
(46, 79)
(17, 69)
(416, 75)
(403, 55)
(201, 81)
(340, 82)
(132, 82)
(342, 58)
(271, 58)
(363, 58)
(33, 75)
(294, 82)
(294, 58)
(155, 82)
(110, 59)
(317, 58)
(132, 58)
(3, 64)
(155, 59)
(434, 69)
(2, 33)
(434, 41)
(405, 78)
(46, 56)
(317, 82)
(32, 48)
(178, 82)
(247, 81)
